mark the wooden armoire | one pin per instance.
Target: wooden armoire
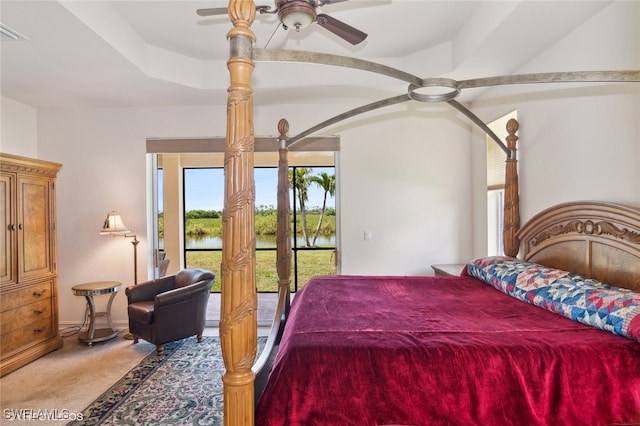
(28, 265)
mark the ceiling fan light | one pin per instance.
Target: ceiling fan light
(297, 20)
(297, 15)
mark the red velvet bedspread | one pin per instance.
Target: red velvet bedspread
(443, 351)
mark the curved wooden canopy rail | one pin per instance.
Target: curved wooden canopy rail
(451, 88)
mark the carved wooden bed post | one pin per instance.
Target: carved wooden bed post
(284, 225)
(238, 324)
(283, 265)
(511, 197)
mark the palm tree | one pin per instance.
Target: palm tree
(300, 183)
(328, 184)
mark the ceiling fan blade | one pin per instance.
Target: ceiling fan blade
(213, 11)
(339, 28)
(323, 2)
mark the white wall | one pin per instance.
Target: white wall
(18, 129)
(396, 181)
(410, 174)
(102, 151)
(577, 142)
(405, 178)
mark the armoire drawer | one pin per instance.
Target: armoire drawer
(27, 335)
(27, 295)
(27, 314)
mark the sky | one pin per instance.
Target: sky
(204, 189)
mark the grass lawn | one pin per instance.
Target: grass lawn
(310, 263)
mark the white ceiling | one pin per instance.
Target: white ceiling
(85, 53)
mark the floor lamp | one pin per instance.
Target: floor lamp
(114, 226)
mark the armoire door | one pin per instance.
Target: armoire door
(34, 227)
(8, 226)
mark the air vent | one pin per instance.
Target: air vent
(7, 34)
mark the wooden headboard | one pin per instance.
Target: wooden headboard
(594, 239)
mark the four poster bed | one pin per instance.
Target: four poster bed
(538, 339)
(508, 342)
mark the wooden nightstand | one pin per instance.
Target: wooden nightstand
(449, 270)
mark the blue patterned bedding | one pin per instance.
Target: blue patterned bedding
(588, 301)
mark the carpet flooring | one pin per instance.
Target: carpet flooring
(181, 387)
(63, 382)
(53, 389)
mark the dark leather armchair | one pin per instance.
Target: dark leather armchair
(170, 308)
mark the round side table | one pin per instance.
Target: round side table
(89, 290)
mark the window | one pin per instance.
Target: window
(495, 186)
(202, 220)
(314, 223)
(159, 212)
(495, 221)
(176, 164)
(313, 247)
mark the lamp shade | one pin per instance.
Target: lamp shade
(113, 224)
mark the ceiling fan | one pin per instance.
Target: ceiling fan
(299, 14)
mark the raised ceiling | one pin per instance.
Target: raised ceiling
(156, 53)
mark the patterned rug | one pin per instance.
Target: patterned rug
(181, 387)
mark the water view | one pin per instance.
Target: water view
(312, 201)
(208, 242)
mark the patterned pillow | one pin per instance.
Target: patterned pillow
(582, 299)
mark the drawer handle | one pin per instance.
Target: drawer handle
(39, 311)
(40, 293)
(39, 330)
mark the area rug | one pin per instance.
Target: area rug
(181, 387)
